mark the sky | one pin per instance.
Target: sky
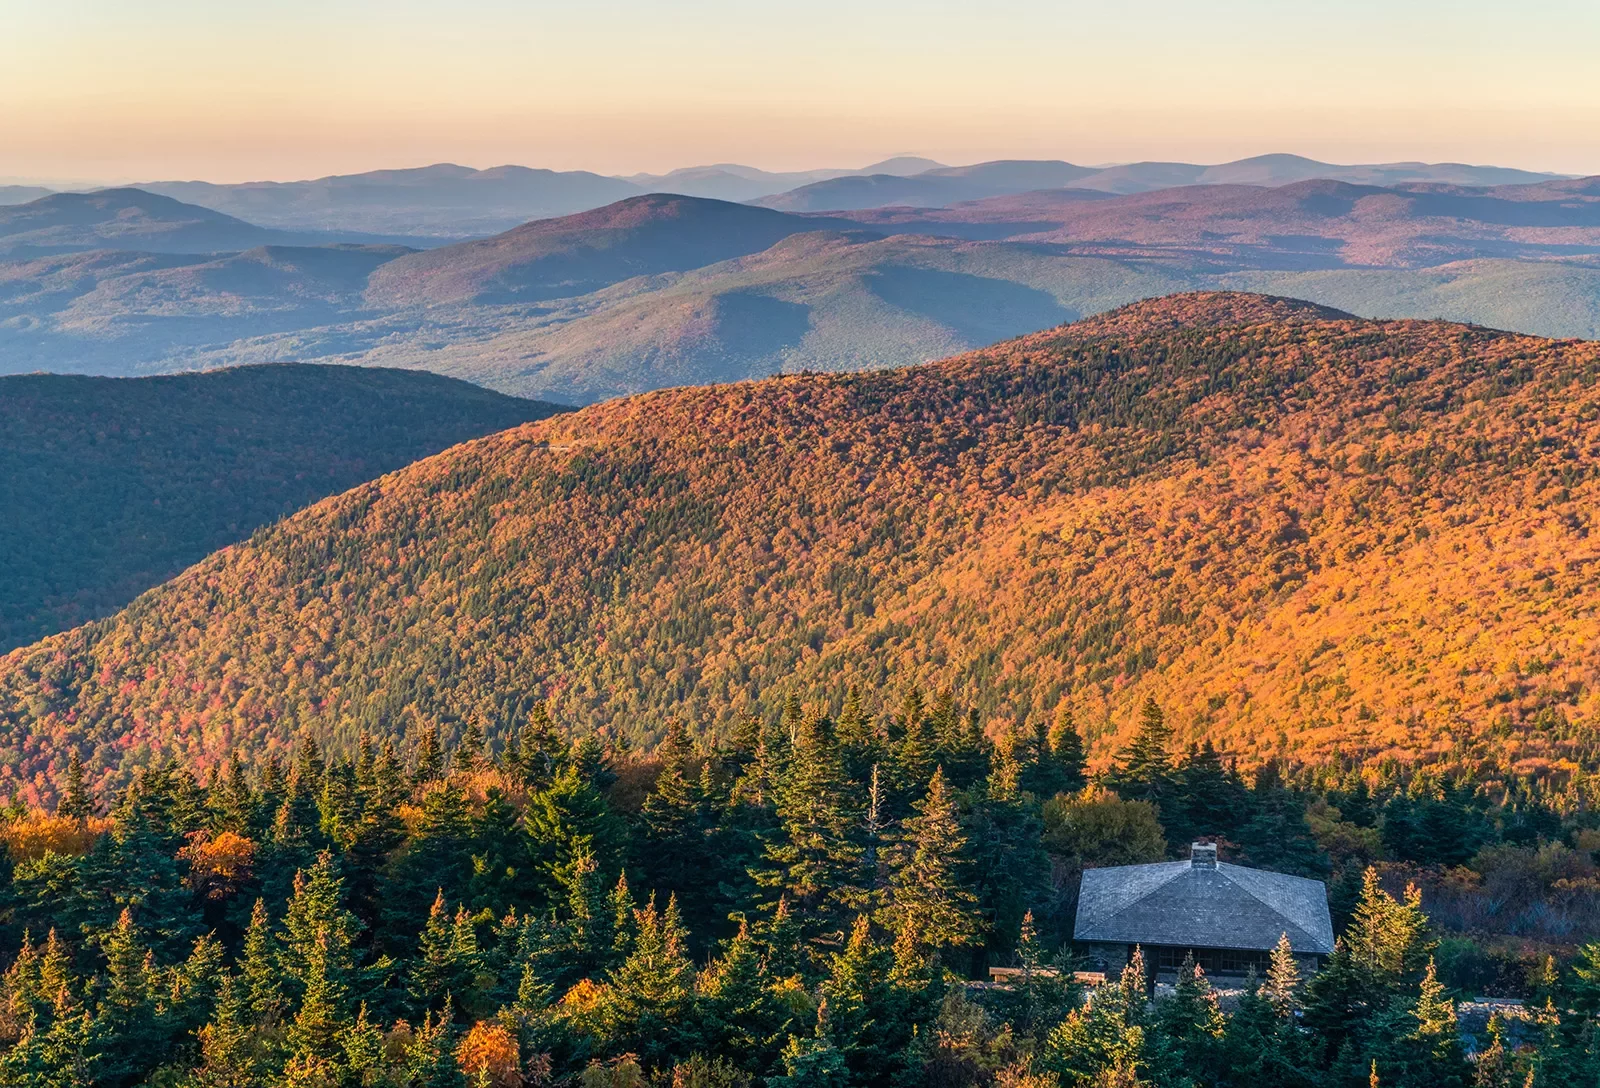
(113, 90)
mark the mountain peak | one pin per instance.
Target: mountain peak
(1206, 310)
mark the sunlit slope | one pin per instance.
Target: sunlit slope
(1302, 532)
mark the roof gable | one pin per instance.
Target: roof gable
(1176, 903)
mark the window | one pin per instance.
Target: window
(1213, 961)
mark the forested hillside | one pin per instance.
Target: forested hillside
(112, 485)
(1306, 534)
(803, 905)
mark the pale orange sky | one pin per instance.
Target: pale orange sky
(156, 89)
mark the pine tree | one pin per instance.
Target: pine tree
(228, 1043)
(320, 934)
(781, 944)
(1388, 938)
(873, 1016)
(1104, 1041)
(651, 992)
(813, 1061)
(1283, 979)
(260, 978)
(927, 896)
(1066, 747)
(447, 959)
(568, 819)
(1144, 768)
(76, 802)
(429, 757)
(543, 752)
(860, 747)
(590, 919)
(429, 1061)
(361, 1047)
(736, 1005)
(916, 755)
(672, 848)
(1191, 1025)
(127, 1011)
(813, 861)
(313, 1035)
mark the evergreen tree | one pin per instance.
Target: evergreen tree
(1067, 750)
(1283, 979)
(447, 959)
(229, 1049)
(76, 803)
(1190, 1025)
(320, 934)
(927, 895)
(813, 1061)
(313, 1035)
(813, 860)
(1104, 1041)
(739, 1014)
(1144, 768)
(651, 994)
(428, 755)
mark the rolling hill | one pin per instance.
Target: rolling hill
(121, 219)
(1306, 534)
(666, 290)
(832, 301)
(113, 485)
(561, 258)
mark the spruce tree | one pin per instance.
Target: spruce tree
(813, 861)
(76, 803)
(740, 1015)
(1144, 768)
(927, 896)
(428, 757)
(313, 1035)
(1283, 979)
(650, 994)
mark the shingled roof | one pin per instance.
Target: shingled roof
(1203, 904)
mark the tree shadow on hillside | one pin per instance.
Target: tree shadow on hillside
(978, 309)
(751, 324)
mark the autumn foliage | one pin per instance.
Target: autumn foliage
(489, 1052)
(1308, 536)
(33, 835)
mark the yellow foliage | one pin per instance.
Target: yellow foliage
(218, 864)
(36, 833)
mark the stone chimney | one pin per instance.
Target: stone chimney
(1203, 855)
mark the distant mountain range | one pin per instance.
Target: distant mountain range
(456, 201)
(666, 290)
(446, 201)
(948, 185)
(1308, 536)
(110, 486)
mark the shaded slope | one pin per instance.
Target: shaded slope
(817, 301)
(932, 188)
(1305, 536)
(112, 485)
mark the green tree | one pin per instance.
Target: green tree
(650, 996)
(927, 896)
